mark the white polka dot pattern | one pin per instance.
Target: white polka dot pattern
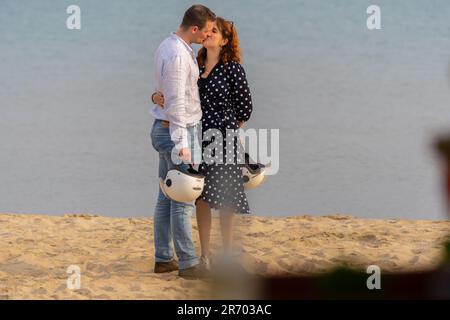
(226, 100)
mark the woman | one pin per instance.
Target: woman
(226, 105)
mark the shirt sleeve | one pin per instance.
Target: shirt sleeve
(240, 91)
(173, 86)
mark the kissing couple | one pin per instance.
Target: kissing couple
(195, 93)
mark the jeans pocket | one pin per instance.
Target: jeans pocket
(161, 139)
(152, 137)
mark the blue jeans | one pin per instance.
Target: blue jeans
(172, 219)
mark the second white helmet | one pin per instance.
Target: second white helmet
(253, 174)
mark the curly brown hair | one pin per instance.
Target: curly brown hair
(231, 51)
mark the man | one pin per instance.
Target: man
(173, 132)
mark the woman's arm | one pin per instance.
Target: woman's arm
(241, 92)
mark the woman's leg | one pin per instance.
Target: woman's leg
(226, 226)
(204, 225)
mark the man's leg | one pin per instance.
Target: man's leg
(161, 221)
(180, 215)
(180, 212)
(180, 222)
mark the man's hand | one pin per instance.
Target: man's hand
(158, 98)
(185, 155)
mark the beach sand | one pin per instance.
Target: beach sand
(115, 255)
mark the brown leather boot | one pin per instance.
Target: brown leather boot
(162, 267)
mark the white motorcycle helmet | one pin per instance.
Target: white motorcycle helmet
(182, 186)
(253, 174)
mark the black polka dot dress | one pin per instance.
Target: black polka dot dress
(225, 100)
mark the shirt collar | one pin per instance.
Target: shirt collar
(188, 47)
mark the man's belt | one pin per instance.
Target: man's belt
(165, 123)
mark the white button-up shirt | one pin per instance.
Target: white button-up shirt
(176, 75)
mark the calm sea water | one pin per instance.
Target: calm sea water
(356, 109)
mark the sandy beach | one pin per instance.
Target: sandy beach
(115, 255)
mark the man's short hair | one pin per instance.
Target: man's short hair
(197, 15)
